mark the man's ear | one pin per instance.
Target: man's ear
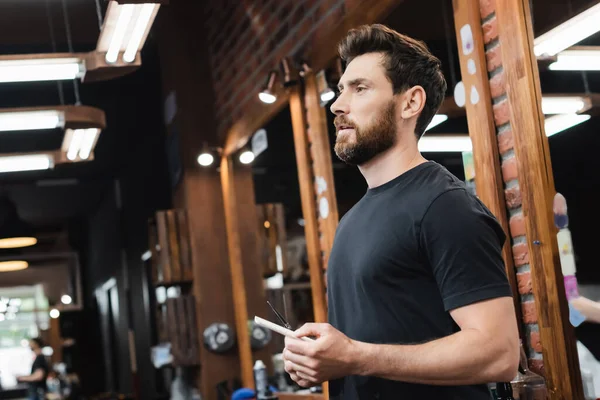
(413, 102)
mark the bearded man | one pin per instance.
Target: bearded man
(419, 303)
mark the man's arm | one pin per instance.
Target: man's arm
(589, 308)
(38, 375)
(485, 350)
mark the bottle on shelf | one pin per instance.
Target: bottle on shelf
(528, 385)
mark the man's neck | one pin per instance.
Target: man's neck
(391, 164)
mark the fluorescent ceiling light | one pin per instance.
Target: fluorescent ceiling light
(437, 119)
(568, 33)
(41, 69)
(139, 32)
(125, 12)
(563, 104)
(16, 242)
(31, 120)
(78, 143)
(558, 123)
(125, 30)
(578, 59)
(9, 266)
(445, 143)
(29, 162)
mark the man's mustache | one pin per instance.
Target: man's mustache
(343, 122)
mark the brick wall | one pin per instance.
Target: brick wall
(511, 182)
(247, 39)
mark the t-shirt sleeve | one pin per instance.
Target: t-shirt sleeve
(463, 242)
(39, 363)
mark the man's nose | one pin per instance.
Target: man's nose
(339, 106)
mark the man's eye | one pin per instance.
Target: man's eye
(360, 89)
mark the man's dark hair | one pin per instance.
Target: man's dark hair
(38, 341)
(408, 63)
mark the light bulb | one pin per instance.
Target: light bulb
(246, 157)
(205, 159)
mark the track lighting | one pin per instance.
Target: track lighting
(289, 78)
(207, 155)
(267, 95)
(246, 157)
(205, 159)
(326, 93)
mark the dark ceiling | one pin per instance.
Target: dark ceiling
(58, 202)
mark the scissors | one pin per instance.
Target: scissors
(280, 317)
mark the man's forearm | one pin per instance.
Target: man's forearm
(589, 308)
(466, 357)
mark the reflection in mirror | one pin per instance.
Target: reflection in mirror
(281, 244)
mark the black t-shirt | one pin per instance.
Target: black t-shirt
(39, 363)
(406, 254)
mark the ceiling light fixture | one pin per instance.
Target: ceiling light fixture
(26, 162)
(14, 231)
(10, 266)
(205, 159)
(564, 104)
(326, 93)
(78, 143)
(54, 313)
(125, 30)
(568, 33)
(436, 120)
(16, 242)
(31, 120)
(208, 154)
(66, 299)
(42, 67)
(267, 95)
(584, 58)
(561, 122)
(246, 157)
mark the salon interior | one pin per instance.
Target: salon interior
(168, 173)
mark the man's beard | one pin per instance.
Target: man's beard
(369, 141)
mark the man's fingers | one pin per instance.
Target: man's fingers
(305, 380)
(312, 329)
(298, 359)
(305, 371)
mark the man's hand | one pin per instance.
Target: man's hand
(331, 355)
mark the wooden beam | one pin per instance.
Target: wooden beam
(55, 341)
(237, 271)
(309, 209)
(322, 168)
(537, 190)
(480, 118)
(319, 57)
